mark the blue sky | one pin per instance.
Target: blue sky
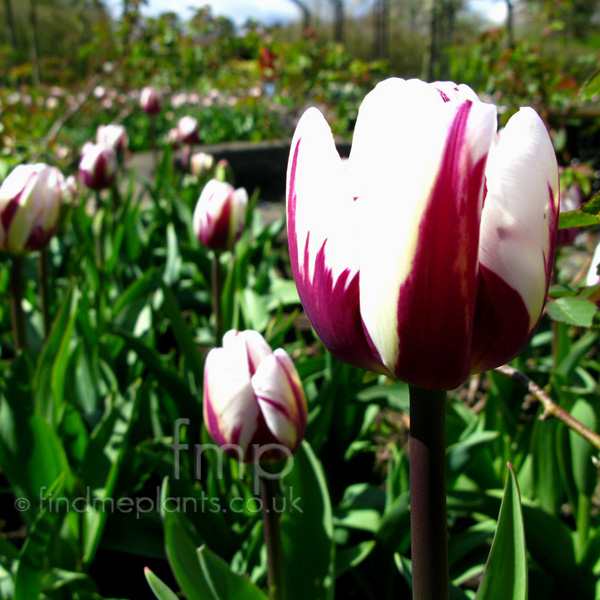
(270, 11)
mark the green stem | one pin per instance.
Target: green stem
(272, 530)
(429, 546)
(44, 282)
(216, 291)
(100, 239)
(16, 295)
(153, 143)
(584, 507)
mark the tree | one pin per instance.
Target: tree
(306, 14)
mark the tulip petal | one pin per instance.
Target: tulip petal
(281, 398)
(419, 160)
(250, 342)
(231, 412)
(518, 236)
(322, 234)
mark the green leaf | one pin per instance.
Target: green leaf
(574, 311)
(505, 576)
(49, 382)
(201, 574)
(307, 530)
(348, 558)
(105, 452)
(160, 589)
(31, 454)
(576, 218)
(31, 565)
(223, 582)
(585, 473)
(182, 332)
(173, 264)
(591, 87)
(460, 454)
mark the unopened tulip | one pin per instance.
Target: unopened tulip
(188, 129)
(219, 215)
(151, 100)
(98, 166)
(428, 255)
(113, 137)
(201, 164)
(253, 397)
(30, 201)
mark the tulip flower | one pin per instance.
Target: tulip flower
(428, 254)
(151, 100)
(201, 164)
(113, 137)
(188, 128)
(30, 201)
(253, 397)
(98, 166)
(219, 215)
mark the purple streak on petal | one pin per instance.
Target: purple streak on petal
(39, 238)
(300, 402)
(332, 307)
(436, 305)
(9, 212)
(444, 97)
(216, 233)
(502, 323)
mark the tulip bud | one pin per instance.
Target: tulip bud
(30, 201)
(201, 164)
(188, 129)
(151, 100)
(98, 166)
(219, 215)
(113, 137)
(253, 397)
(429, 255)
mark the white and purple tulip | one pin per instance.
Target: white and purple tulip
(113, 137)
(253, 397)
(219, 215)
(151, 100)
(30, 201)
(188, 129)
(427, 255)
(98, 166)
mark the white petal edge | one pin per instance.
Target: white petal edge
(325, 206)
(517, 215)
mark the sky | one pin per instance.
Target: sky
(272, 11)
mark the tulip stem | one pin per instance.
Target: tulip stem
(216, 290)
(153, 143)
(272, 531)
(44, 281)
(429, 546)
(16, 294)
